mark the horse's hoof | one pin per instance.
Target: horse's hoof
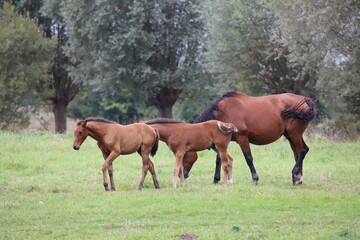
(106, 189)
(297, 182)
(297, 179)
(255, 182)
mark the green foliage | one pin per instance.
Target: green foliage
(324, 36)
(147, 45)
(50, 191)
(24, 65)
(244, 47)
(117, 108)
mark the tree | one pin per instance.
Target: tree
(139, 44)
(63, 88)
(24, 65)
(325, 35)
(245, 49)
(117, 108)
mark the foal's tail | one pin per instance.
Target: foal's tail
(156, 145)
(226, 128)
(305, 115)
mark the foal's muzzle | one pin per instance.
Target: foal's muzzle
(76, 147)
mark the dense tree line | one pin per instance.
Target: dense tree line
(125, 59)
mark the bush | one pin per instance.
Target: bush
(342, 128)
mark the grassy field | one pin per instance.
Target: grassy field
(50, 191)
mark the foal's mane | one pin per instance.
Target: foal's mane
(208, 113)
(163, 121)
(96, 119)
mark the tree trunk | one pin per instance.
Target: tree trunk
(65, 91)
(164, 100)
(165, 111)
(59, 109)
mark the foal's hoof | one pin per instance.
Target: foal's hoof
(106, 189)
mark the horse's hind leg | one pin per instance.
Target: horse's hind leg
(300, 150)
(217, 175)
(153, 173)
(111, 176)
(225, 161)
(147, 165)
(179, 168)
(243, 141)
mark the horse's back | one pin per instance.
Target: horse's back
(129, 138)
(258, 118)
(147, 133)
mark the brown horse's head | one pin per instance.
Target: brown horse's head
(80, 133)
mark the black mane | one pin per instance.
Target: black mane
(96, 119)
(208, 113)
(163, 121)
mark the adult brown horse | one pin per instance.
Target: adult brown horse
(115, 139)
(183, 138)
(263, 120)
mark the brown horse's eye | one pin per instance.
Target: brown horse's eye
(80, 133)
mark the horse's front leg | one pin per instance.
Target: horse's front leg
(107, 166)
(179, 168)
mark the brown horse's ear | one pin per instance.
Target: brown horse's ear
(84, 123)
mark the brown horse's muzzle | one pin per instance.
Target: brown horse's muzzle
(76, 147)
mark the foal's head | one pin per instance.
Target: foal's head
(80, 134)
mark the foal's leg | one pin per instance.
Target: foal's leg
(179, 168)
(217, 175)
(189, 160)
(243, 141)
(107, 166)
(153, 173)
(225, 165)
(111, 176)
(147, 165)
(230, 159)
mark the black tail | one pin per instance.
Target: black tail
(306, 115)
(156, 145)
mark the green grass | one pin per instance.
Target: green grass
(49, 191)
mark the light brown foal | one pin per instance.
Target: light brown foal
(115, 139)
(183, 138)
